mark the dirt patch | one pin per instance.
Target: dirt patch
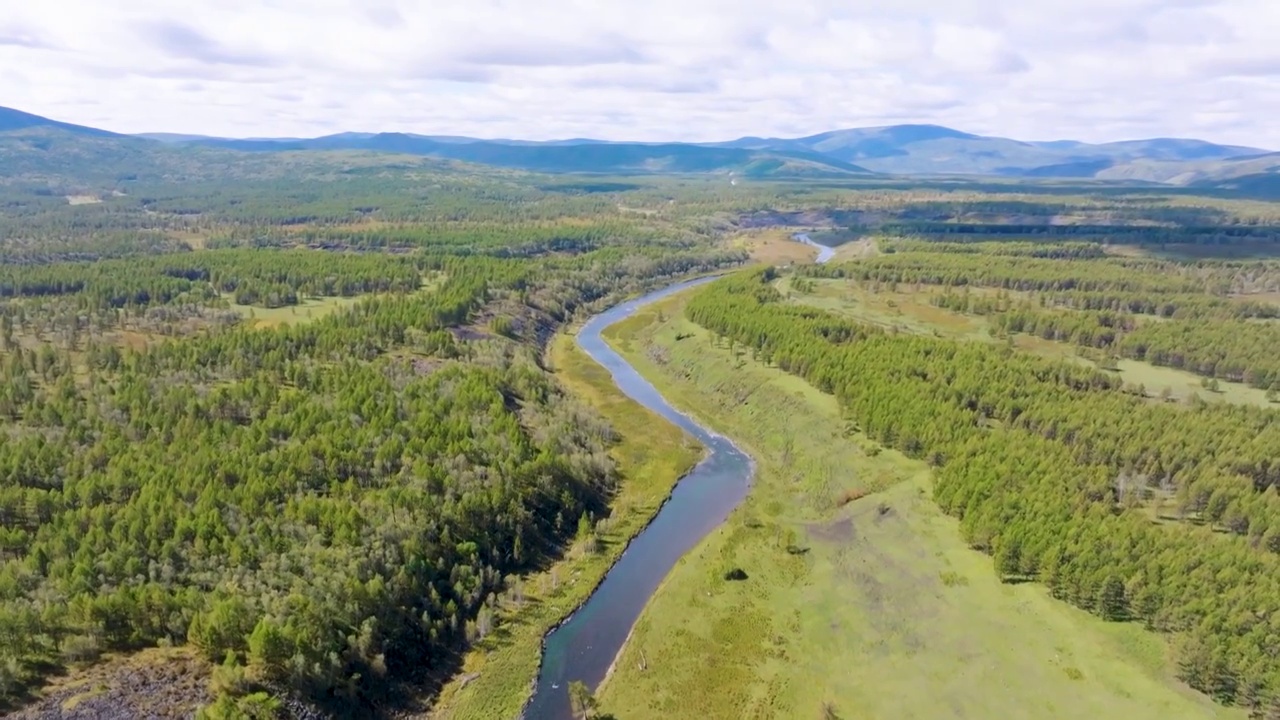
(422, 366)
(151, 684)
(837, 531)
(468, 332)
(83, 199)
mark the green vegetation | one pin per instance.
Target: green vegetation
(305, 311)
(650, 456)
(289, 416)
(1044, 463)
(334, 506)
(990, 315)
(861, 598)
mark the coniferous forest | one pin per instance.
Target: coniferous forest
(1051, 465)
(297, 418)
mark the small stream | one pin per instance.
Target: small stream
(584, 646)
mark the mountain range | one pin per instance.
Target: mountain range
(897, 149)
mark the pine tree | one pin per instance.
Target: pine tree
(1111, 603)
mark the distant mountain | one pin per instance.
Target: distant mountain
(932, 149)
(568, 156)
(1226, 173)
(857, 144)
(895, 149)
(172, 137)
(11, 119)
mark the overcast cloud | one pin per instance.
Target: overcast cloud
(1092, 70)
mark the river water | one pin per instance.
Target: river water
(824, 253)
(584, 647)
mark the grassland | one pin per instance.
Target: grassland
(773, 246)
(872, 608)
(909, 310)
(305, 311)
(652, 456)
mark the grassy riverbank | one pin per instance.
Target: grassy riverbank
(871, 608)
(652, 456)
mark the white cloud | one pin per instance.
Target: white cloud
(653, 70)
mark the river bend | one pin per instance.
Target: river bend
(584, 646)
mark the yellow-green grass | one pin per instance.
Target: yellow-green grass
(877, 607)
(305, 311)
(908, 310)
(652, 456)
(1182, 384)
(310, 309)
(773, 246)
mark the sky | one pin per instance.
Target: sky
(696, 70)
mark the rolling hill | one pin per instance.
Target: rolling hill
(569, 156)
(11, 120)
(28, 140)
(32, 145)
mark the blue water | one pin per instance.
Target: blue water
(824, 253)
(585, 646)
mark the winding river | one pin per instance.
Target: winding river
(584, 646)
(824, 253)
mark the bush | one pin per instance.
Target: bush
(258, 706)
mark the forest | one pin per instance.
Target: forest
(1050, 468)
(332, 502)
(1202, 316)
(328, 507)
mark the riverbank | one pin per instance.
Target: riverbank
(652, 455)
(871, 606)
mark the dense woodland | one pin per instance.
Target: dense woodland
(1050, 468)
(333, 501)
(332, 505)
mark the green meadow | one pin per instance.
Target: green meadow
(857, 597)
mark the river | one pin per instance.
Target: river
(584, 646)
(824, 253)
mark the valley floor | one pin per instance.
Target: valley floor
(652, 456)
(860, 600)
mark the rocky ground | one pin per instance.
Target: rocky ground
(154, 684)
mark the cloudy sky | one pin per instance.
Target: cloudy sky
(1092, 70)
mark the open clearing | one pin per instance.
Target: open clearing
(305, 311)
(773, 246)
(876, 607)
(909, 310)
(651, 457)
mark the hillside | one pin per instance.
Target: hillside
(933, 149)
(584, 156)
(32, 146)
(1204, 173)
(897, 149)
(11, 119)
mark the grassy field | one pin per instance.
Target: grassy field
(773, 246)
(652, 456)
(305, 311)
(873, 608)
(909, 311)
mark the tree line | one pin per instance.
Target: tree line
(1050, 468)
(310, 503)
